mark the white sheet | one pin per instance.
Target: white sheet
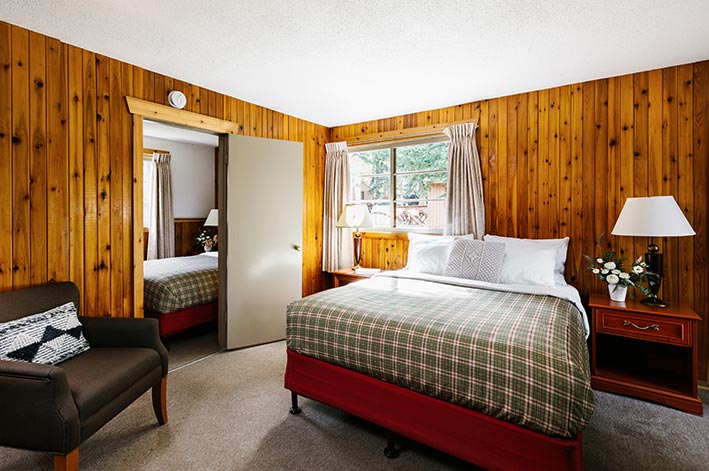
(567, 292)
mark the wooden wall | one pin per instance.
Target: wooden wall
(561, 162)
(186, 231)
(66, 166)
(388, 251)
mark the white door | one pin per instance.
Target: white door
(263, 261)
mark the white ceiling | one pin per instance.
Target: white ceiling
(340, 62)
(176, 133)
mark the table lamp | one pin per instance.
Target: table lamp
(654, 216)
(212, 218)
(355, 215)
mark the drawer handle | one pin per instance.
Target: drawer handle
(654, 327)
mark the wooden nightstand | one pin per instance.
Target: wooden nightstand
(347, 276)
(646, 352)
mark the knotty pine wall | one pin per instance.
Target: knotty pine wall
(561, 162)
(66, 166)
(186, 231)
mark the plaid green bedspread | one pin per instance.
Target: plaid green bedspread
(517, 357)
(173, 284)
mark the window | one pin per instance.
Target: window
(404, 179)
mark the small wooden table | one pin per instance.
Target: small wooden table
(348, 275)
(645, 352)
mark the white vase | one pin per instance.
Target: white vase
(207, 249)
(617, 293)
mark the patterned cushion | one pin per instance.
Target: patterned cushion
(47, 338)
(475, 260)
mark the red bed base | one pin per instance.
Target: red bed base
(175, 322)
(472, 436)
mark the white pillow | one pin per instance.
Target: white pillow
(561, 246)
(429, 253)
(528, 267)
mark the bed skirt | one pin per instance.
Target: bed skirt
(467, 434)
(175, 322)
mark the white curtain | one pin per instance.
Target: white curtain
(161, 235)
(466, 207)
(337, 242)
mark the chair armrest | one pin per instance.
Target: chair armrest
(124, 332)
(37, 409)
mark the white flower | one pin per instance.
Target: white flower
(604, 271)
(624, 276)
(637, 269)
(596, 271)
(609, 265)
(615, 272)
(612, 279)
(599, 260)
(639, 260)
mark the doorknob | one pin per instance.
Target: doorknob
(296, 248)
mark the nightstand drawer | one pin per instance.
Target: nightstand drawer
(644, 327)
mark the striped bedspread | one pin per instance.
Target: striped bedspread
(517, 357)
(173, 284)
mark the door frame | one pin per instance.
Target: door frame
(141, 109)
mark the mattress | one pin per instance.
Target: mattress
(516, 356)
(173, 284)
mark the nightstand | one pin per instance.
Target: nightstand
(645, 352)
(347, 276)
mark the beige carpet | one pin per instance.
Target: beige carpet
(230, 412)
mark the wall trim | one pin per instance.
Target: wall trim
(167, 114)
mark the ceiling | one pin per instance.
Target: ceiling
(340, 62)
(179, 134)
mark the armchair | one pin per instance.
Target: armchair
(55, 408)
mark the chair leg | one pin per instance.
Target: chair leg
(68, 462)
(160, 401)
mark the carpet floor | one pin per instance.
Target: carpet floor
(229, 411)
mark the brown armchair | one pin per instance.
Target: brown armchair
(55, 408)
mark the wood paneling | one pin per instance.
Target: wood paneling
(67, 167)
(186, 231)
(561, 162)
(388, 251)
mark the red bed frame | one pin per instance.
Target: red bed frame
(175, 322)
(472, 436)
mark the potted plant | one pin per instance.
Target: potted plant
(609, 268)
(208, 241)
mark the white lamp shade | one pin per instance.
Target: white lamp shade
(654, 216)
(355, 215)
(212, 218)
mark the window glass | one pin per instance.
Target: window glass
(370, 162)
(403, 185)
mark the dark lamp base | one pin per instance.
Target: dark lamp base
(654, 301)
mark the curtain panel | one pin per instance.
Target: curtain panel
(337, 242)
(161, 236)
(466, 207)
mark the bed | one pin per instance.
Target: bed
(461, 365)
(181, 292)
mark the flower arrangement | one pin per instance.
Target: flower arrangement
(208, 241)
(609, 268)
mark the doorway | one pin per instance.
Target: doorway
(181, 288)
(181, 120)
(263, 179)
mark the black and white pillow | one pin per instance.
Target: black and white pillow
(475, 260)
(48, 338)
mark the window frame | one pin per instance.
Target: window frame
(392, 146)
